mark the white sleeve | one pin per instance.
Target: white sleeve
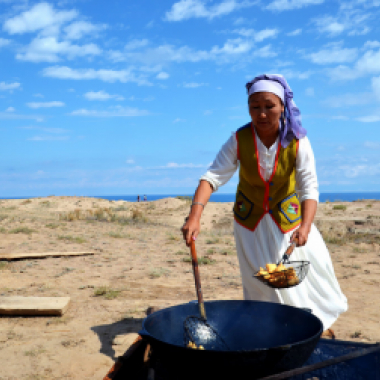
(306, 174)
(224, 165)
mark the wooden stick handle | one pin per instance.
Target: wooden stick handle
(197, 279)
(291, 247)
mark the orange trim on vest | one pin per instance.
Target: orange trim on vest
(267, 183)
(252, 229)
(237, 141)
(281, 229)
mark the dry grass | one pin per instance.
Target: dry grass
(52, 225)
(356, 334)
(201, 260)
(158, 272)
(22, 230)
(35, 351)
(72, 239)
(106, 292)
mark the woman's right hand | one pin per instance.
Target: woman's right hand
(191, 229)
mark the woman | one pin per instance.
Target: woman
(277, 184)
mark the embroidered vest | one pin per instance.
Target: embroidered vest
(254, 196)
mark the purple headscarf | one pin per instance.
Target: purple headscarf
(292, 127)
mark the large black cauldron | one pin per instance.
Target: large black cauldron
(263, 337)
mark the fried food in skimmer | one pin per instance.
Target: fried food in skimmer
(278, 276)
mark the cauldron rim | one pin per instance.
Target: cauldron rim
(143, 332)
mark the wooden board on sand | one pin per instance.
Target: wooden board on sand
(33, 305)
(32, 255)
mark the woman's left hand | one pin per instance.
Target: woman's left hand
(301, 234)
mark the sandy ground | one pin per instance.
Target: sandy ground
(141, 261)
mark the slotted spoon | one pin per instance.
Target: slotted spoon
(196, 328)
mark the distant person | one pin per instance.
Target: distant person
(145, 198)
(276, 201)
(138, 198)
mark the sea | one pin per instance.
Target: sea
(230, 197)
(323, 197)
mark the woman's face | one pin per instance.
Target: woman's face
(265, 109)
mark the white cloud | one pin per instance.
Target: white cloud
(333, 53)
(371, 45)
(78, 29)
(284, 5)
(294, 74)
(178, 120)
(10, 109)
(130, 161)
(194, 85)
(372, 145)
(232, 49)
(295, 32)
(49, 49)
(48, 138)
(14, 116)
(349, 100)
(265, 52)
(160, 55)
(162, 75)
(376, 86)
(355, 22)
(352, 171)
(174, 165)
(4, 42)
(360, 32)
(46, 130)
(9, 86)
(369, 62)
(240, 21)
(186, 9)
(232, 46)
(136, 44)
(369, 119)
(101, 95)
(257, 36)
(113, 112)
(310, 91)
(343, 73)
(45, 104)
(40, 16)
(124, 76)
(329, 25)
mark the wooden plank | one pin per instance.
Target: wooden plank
(33, 305)
(31, 255)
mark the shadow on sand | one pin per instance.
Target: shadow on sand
(107, 333)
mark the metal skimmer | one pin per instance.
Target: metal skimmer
(285, 279)
(196, 329)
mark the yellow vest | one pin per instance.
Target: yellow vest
(254, 196)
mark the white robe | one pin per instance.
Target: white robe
(320, 290)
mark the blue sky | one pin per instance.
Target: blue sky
(137, 96)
